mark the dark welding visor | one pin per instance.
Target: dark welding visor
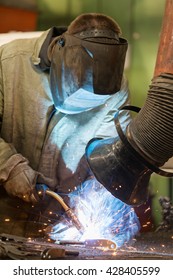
(92, 60)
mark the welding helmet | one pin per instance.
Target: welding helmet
(86, 68)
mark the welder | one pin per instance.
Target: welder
(57, 92)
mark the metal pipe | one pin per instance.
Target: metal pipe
(164, 61)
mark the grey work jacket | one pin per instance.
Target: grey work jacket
(53, 142)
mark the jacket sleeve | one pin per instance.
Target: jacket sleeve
(115, 103)
(13, 164)
(6, 149)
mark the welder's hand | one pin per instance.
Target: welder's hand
(21, 182)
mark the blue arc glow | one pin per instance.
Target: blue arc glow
(101, 214)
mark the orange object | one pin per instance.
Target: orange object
(164, 61)
(17, 19)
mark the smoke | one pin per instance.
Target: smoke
(101, 214)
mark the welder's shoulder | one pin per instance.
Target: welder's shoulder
(17, 47)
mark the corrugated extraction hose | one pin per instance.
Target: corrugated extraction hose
(152, 129)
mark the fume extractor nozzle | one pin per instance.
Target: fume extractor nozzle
(117, 167)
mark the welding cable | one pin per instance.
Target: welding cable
(42, 189)
(58, 198)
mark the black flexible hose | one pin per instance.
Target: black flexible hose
(151, 131)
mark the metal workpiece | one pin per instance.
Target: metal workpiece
(56, 253)
(151, 245)
(101, 243)
(16, 247)
(20, 248)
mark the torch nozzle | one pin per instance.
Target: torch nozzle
(43, 189)
(70, 214)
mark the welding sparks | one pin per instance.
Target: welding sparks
(101, 214)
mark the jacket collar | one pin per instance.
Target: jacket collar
(40, 56)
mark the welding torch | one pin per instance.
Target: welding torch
(42, 189)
